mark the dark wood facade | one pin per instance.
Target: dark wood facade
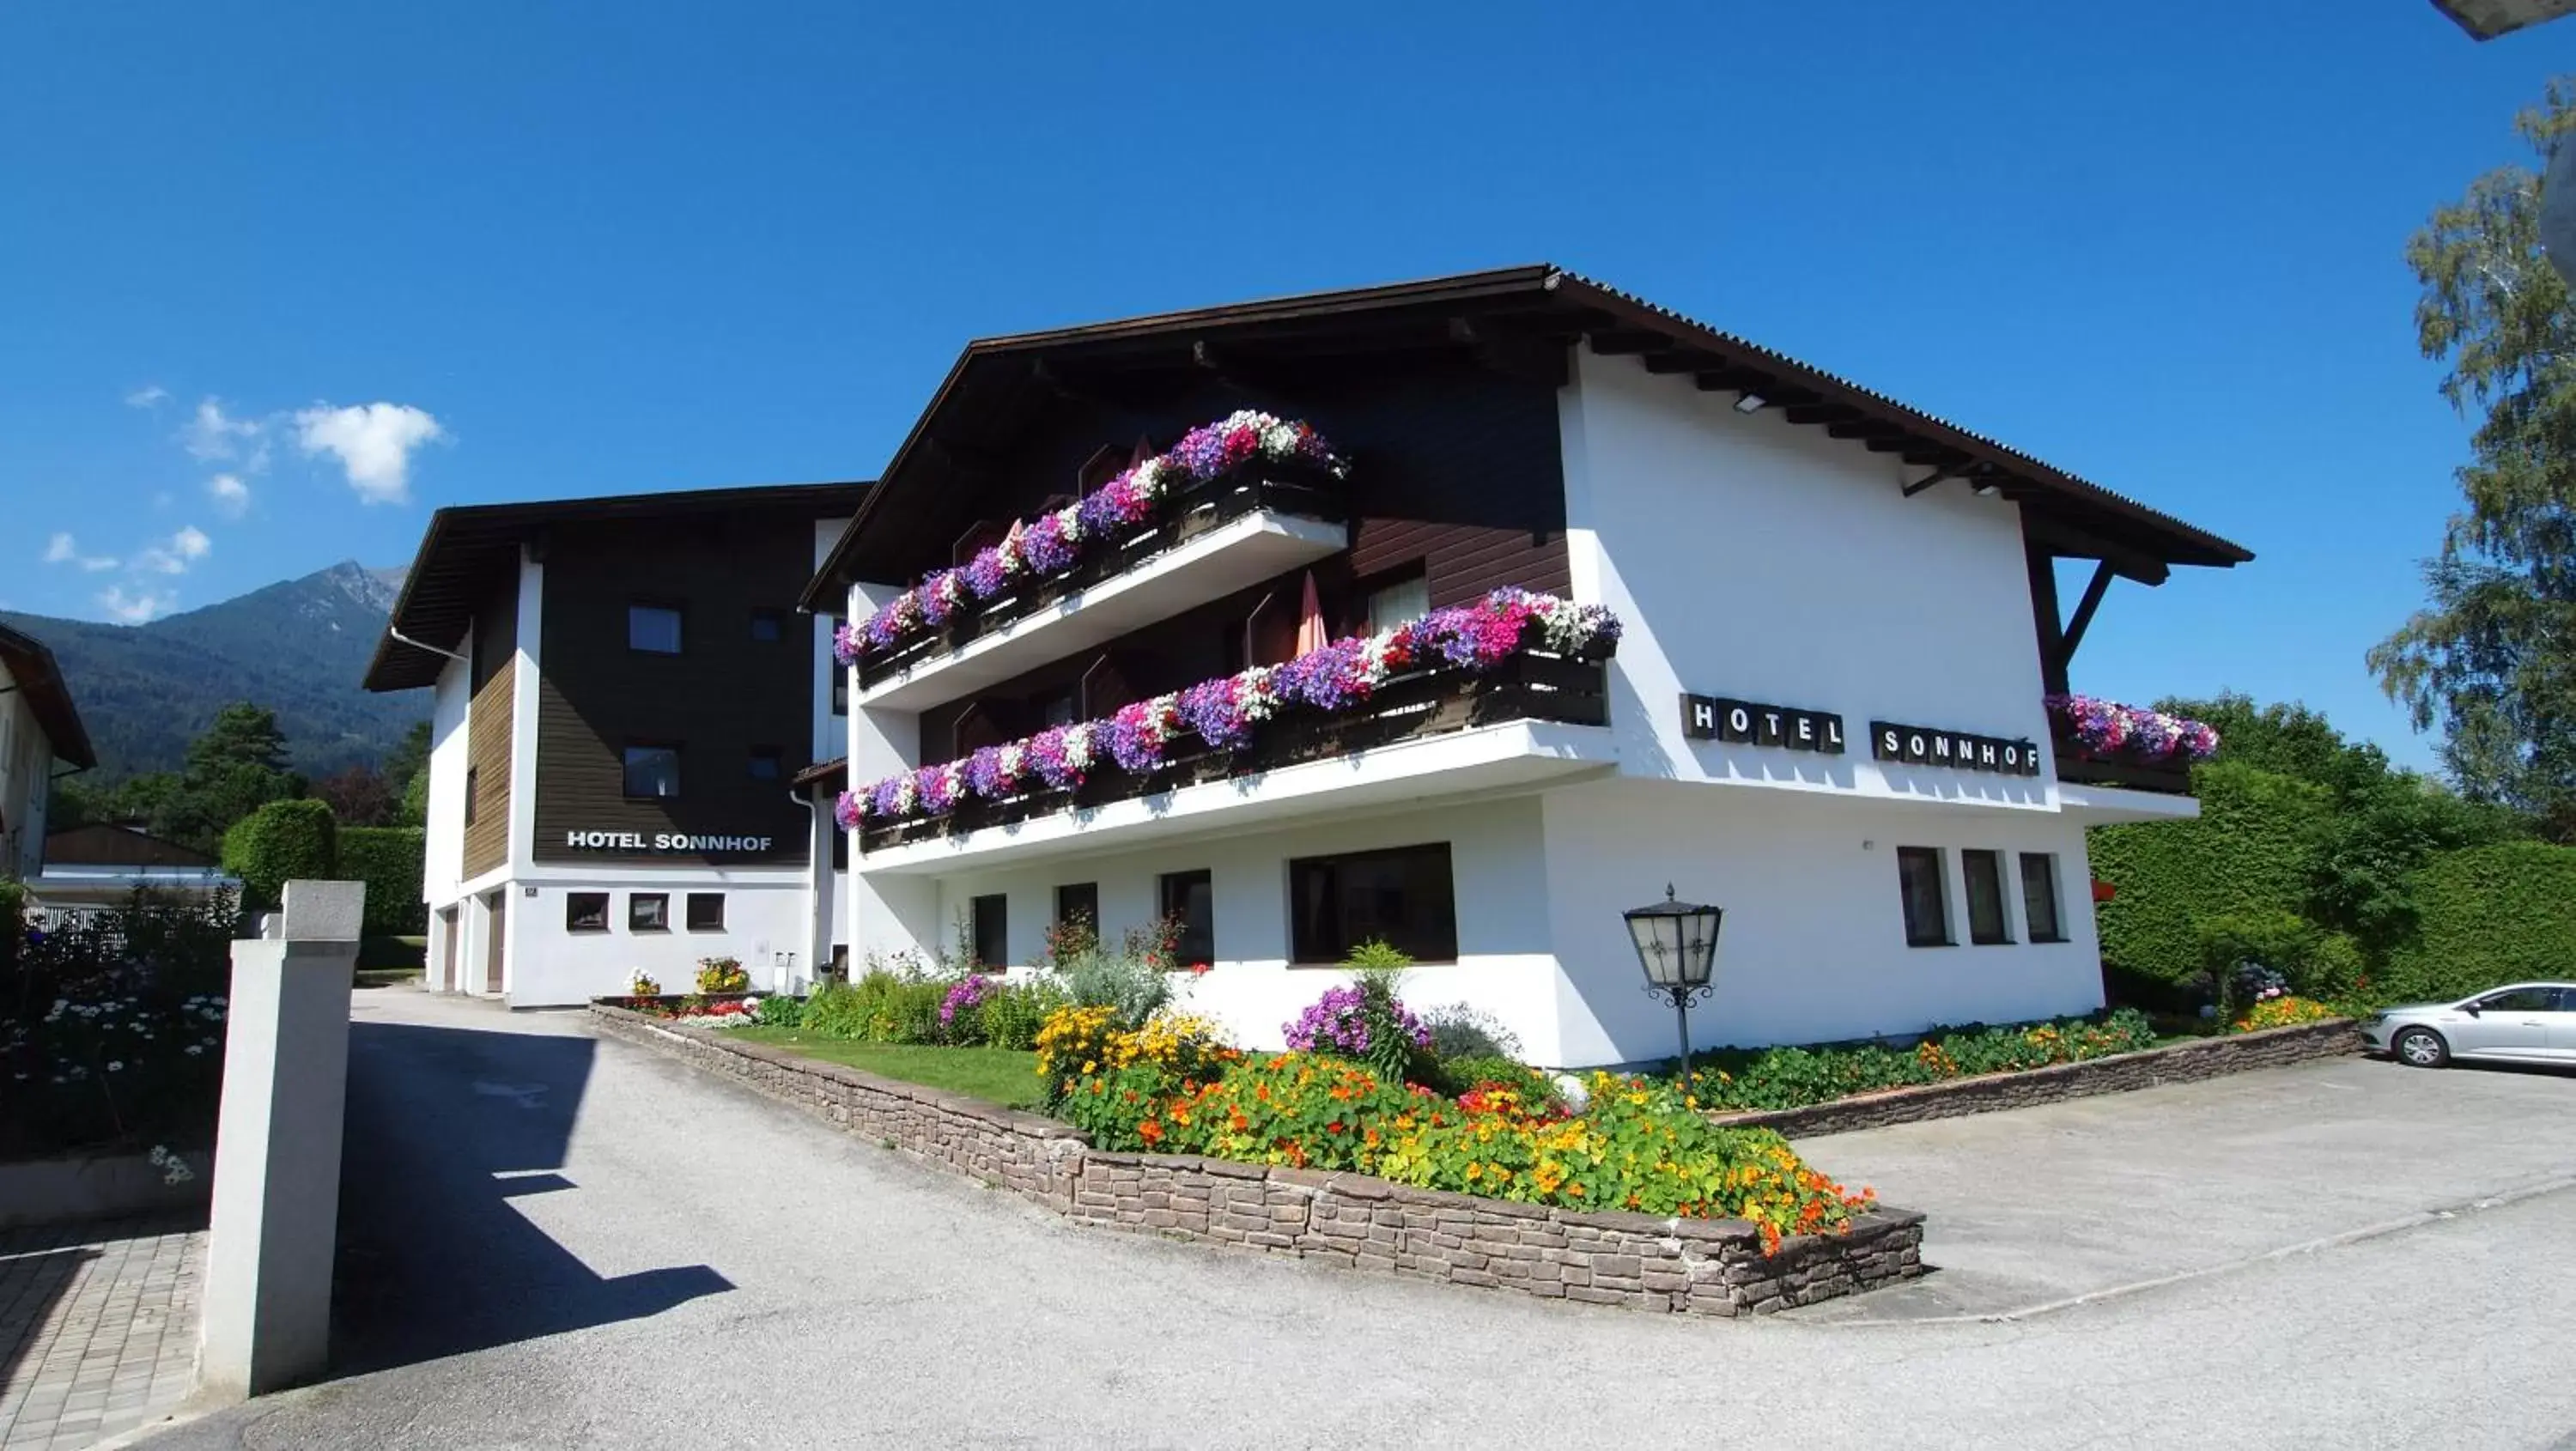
(493, 681)
(1457, 478)
(726, 695)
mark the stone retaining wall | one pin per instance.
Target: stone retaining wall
(2147, 1068)
(1691, 1266)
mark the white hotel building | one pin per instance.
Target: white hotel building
(1848, 570)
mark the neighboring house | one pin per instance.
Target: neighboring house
(1769, 534)
(624, 693)
(101, 866)
(40, 737)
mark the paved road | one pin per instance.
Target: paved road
(570, 1242)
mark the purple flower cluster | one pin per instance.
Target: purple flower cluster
(849, 809)
(1339, 1021)
(966, 996)
(1051, 543)
(2108, 728)
(1225, 712)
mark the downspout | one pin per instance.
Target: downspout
(394, 634)
(815, 871)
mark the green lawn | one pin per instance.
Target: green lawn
(996, 1075)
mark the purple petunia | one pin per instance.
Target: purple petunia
(1339, 1020)
(2106, 728)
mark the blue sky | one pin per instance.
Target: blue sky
(365, 262)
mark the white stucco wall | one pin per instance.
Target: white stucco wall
(443, 842)
(1754, 559)
(26, 780)
(1812, 948)
(1501, 902)
(883, 914)
(548, 965)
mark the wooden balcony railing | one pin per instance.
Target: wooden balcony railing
(1407, 707)
(1309, 493)
(2169, 777)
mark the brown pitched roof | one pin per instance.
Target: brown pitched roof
(32, 667)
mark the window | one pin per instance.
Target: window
(1189, 898)
(1984, 871)
(654, 629)
(652, 771)
(840, 672)
(768, 627)
(2039, 897)
(706, 911)
(648, 911)
(1394, 603)
(2520, 1000)
(473, 789)
(1056, 709)
(585, 911)
(993, 930)
(1401, 897)
(765, 763)
(1078, 900)
(1927, 896)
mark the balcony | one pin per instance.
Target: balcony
(2120, 763)
(1205, 544)
(1443, 732)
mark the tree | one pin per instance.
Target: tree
(235, 767)
(408, 758)
(2492, 657)
(358, 796)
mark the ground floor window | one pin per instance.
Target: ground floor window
(1078, 902)
(1926, 895)
(585, 911)
(648, 911)
(993, 930)
(706, 911)
(2039, 897)
(1984, 871)
(1188, 899)
(1402, 896)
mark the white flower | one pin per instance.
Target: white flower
(193, 1049)
(116, 1065)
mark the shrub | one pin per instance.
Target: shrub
(1367, 1023)
(722, 975)
(389, 860)
(961, 1008)
(1794, 1077)
(278, 843)
(1128, 984)
(1013, 1016)
(1080, 1042)
(2250, 850)
(2485, 917)
(1459, 1030)
(836, 1010)
(1466, 1074)
(778, 1010)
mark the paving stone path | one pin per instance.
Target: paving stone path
(98, 1327)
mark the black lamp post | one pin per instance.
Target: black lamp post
(1677, 946)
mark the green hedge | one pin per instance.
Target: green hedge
(2247, 853)
(2488, 915)
(278, 843)
(388, 859)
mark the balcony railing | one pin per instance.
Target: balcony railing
(1420, 703)
(2170, 777)
(1261, 487)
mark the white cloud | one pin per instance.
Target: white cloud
(231, 495)
(135, 608)
(61, 549)
(174, 554)
(149, 396)
(373, 442)
(212, 435)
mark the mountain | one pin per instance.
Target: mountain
(299, 648)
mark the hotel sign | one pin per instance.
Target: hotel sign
(668, 841)
(1751, 723)
(1923, 746)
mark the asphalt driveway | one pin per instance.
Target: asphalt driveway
(2105, 1196)
(554, 1240)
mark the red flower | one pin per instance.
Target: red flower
(1197, 968)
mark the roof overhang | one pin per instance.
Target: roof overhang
(1519, 321)
(2487, 19)
(32, 668)
(467, 551)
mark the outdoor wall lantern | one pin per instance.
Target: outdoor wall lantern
(1677, 946)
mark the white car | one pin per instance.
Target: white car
(2529, 1022)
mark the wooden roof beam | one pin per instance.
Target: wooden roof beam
(1616, 341)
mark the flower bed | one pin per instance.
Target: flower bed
(705, 1010)
(2283, 1010)
(1053, 543)
(1779, 1078)
(1223, 714)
